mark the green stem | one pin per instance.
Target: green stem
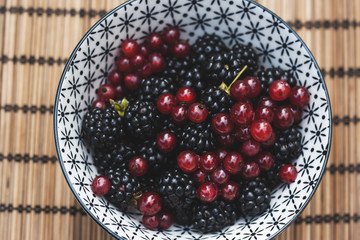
(120, 107)
(236, 78)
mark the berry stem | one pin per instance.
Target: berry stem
(120, 107)
(227, 88)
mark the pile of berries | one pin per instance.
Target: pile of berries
(195, 135)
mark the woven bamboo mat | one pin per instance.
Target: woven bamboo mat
(36, 37)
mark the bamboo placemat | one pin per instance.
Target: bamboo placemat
(36, 37)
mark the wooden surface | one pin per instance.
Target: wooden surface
(36, 37)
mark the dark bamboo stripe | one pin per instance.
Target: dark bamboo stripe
(320, 219)
(73, 210)
(25, 108)
(26, 158)
(297, 24)
(33, 60)
(49, 11)
(341, 72)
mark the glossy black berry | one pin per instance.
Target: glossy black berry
(287, 146)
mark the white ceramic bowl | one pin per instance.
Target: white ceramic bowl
(240, 21)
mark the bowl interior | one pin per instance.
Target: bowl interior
(240, 21)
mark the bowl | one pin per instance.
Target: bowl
(237, 21)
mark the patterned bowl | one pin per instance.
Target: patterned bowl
(240, 21)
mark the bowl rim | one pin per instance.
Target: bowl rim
(73, 55)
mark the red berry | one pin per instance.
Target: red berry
(265, 161)
(226, 140)
(144, 49)
(120, 92)
(279, 90)
(230, 190)
(283, 117)
(150, 221)
(115, 78)
(149, 203)
(166, 141)
(165, 220)
(132, 81)
(242, 133)
(261, 130)
(181, 49)
(220, 176)
(288, 173)
(129, 47)
(207, 192)
(265, 113)
(98, 104)
(188, 161)
(250, 170)
(269, 143)
(266, 101)
(297, 112)
(106, 92)
(299, 96)
(233, 162)
(138, 166)
(197, 112)
(222, 124)
(138, 61)
(179, 114)
(186, 95)
(165, 103)
(240, 90)
(241, 113)
(200, 176)
(145, 70)
(171, 35)
(157, 62)
(124, 64)
(209, 162)
(155, 41)
(250, 148)
(221, 153)
(255, 86)
(100, 185)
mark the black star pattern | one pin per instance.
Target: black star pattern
(254, 30)
(194, 4)
(246, 10)
(275, 24)
(224, 16)
(200, 21)
(266, 53)
(148, 15)
(171, 8)
(285, 45)
(294, 67)
(233, 36)
(310, 183)
(276, 46)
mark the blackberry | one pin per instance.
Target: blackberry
(272, 74)
(287, 146)
(151, 88)
(216, 100)
(118, 156)
(141, 120)
(207, 45)
(192, 77)
(156, 160)
(254, 197)
(177, 189)
(167, 124)
(272, 176)
(124, 187)
(225, 66)
(212, 217)
(102, 128)
(183, 216)
(197, 137)
(176, 65)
